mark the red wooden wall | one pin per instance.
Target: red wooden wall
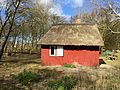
(84, 55)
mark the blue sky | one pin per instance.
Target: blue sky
(66, 8)
(2, 9)
(71, 7)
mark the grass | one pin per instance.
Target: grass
(87, 78)
(63, 83)
(115, 63)
(27, 77)
(69, 66)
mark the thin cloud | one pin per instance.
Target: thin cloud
(57, 9)
(77, 3)
(57, 5)
(44, 2)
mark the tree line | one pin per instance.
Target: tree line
(23, 23)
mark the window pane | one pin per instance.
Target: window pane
(59, 50)
(52, 51)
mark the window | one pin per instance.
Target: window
(52, 51)
(59, 50)
(56, 51)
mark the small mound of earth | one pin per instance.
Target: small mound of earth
(106, 66)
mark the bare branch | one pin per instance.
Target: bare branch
(114, 11)
(114, 32)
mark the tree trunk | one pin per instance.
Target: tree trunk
(22, 43)
(14, 42)
(10, 29)
(4, 43)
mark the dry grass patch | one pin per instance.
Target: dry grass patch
(115, 63)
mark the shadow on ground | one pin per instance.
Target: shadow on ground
(22, 58)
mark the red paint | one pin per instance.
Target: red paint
(84, 55)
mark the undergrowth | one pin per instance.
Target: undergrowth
(63, 83)
(27, 77)
(69, 65)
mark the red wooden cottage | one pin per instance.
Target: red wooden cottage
(69, 43)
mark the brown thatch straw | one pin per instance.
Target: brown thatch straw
(72, 34)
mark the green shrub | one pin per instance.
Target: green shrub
(49, 74)
(64, 83)
(69, 65)
(27, 77)
(45, 73)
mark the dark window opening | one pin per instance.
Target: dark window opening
(52, 51)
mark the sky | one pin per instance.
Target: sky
(2, 9)
(62, 7)
(71, 7)
(67, 8)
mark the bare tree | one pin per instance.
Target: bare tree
(10, 20)
(112, 8)
(108, 20)
(10, 16)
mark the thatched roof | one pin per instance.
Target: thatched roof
(72, 34)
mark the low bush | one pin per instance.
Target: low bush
(69, 65)
(63, 83)
(27, 77)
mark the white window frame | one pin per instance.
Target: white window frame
(50, 51)
(60, 51)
